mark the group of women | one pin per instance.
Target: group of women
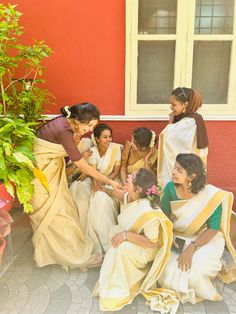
(164, 240)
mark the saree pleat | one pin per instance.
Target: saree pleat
(130, 269)
(57, 235)
(190, 216)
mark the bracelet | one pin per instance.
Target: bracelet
(195, 244)
(74, 166)
(125, 235)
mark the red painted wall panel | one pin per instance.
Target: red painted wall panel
(88, 40)
(88, 63)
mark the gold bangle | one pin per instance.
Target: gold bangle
(74, 166)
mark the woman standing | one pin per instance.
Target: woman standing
(201, 223)
(57, 235)
(185, 133)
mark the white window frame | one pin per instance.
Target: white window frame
(184, 41)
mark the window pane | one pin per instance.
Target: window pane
(157, 17)
(214, 16)
(211, 62)
(155, 71)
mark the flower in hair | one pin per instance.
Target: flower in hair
(68, 112)
(152, 192)
(93, 139)
(152, 142)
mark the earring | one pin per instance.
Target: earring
(190, 184)
(184, 110)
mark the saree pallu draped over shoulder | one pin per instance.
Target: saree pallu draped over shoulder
(189, 222)
(57, 236)
(130, 269)
(180, 137)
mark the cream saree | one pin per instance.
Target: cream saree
(176, 138)
(81, 191)
(57, 235)
(103, 209)
(130, 269)
(189, 219)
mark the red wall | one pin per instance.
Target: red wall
(88, 40)
(88, 64)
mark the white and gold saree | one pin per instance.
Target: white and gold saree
(176, 138)
(189, 220)
(130, 269)
(57, 235)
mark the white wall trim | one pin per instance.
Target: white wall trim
(152, 118)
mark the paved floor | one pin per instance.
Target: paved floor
(26, 289)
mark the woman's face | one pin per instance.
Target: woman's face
(105, 139)
(135, 146)
(85, 127)
(176, 106)
(179, 174)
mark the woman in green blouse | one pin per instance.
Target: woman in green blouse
(200, 214)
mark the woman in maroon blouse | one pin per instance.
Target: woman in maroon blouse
(57, 235)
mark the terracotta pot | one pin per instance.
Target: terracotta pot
(2, 247)
(6, 198)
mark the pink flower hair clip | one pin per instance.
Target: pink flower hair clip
(153, 191)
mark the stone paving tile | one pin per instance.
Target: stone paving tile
(26, 289)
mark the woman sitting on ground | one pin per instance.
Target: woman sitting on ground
(139, 153)
(105, 158)
(140, 244)
(201, 217)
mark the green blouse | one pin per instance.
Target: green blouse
(213, 222)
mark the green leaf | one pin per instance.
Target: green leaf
(23, 158)
(28, 208)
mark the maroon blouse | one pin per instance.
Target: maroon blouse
(58, 131)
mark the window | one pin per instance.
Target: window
(171, 43)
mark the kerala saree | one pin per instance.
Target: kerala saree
(188, 223)
(180, 137)
(130, 269)
(57, 235)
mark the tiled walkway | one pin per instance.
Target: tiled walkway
(27, 289)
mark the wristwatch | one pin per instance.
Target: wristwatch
(195, 244)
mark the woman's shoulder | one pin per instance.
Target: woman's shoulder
(169, 185)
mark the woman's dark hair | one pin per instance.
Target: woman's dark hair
(142, 137)
(182, 94)
(193, 165)
(146, 179)
(100, 128)
(84, 112)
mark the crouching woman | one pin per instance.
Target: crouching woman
(140, 244)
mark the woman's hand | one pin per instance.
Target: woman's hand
(147, 157)
(87, 154)
(115, 185)
(118, 239)
(83, 176)
(97, 185)
(185, 258)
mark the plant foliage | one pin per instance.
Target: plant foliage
(21, 106)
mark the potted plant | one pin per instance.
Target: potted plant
(21, 106)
